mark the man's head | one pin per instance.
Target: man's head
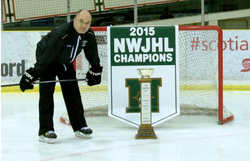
(82, 21)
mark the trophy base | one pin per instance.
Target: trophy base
(146, 131)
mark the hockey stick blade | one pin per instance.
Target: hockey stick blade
(52, 81)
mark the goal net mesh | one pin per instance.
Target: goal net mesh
(198, 64)
(95, 98)
(199, 81)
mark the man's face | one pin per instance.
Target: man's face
(82, 22)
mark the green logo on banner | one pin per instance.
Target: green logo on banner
(142, 46)
(134, 94)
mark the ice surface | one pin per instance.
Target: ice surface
(183, 138)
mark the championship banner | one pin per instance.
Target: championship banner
(144, 74)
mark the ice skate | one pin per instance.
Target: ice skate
(48, 137)
(84, 132)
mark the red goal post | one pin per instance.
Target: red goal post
(201, 74)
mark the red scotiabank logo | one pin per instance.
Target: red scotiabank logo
(246, 65)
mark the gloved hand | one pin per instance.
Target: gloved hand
(27, 79)
(94, 76)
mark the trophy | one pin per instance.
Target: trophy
(146, 130)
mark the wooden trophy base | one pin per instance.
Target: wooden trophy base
(146, 131)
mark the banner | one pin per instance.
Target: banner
(236, 57)
(147, 47)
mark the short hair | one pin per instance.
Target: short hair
(78, 12)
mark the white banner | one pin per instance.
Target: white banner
(236, 57)
(18, 53)
(140, 48)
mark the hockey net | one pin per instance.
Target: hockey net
(201, 74)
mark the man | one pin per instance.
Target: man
(55, 54)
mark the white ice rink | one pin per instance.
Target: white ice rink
(183, 138)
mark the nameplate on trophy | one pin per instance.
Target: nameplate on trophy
(145, 103)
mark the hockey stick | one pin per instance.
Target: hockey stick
(52, 81)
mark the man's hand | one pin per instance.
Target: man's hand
(27, 79)
(94, 76)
